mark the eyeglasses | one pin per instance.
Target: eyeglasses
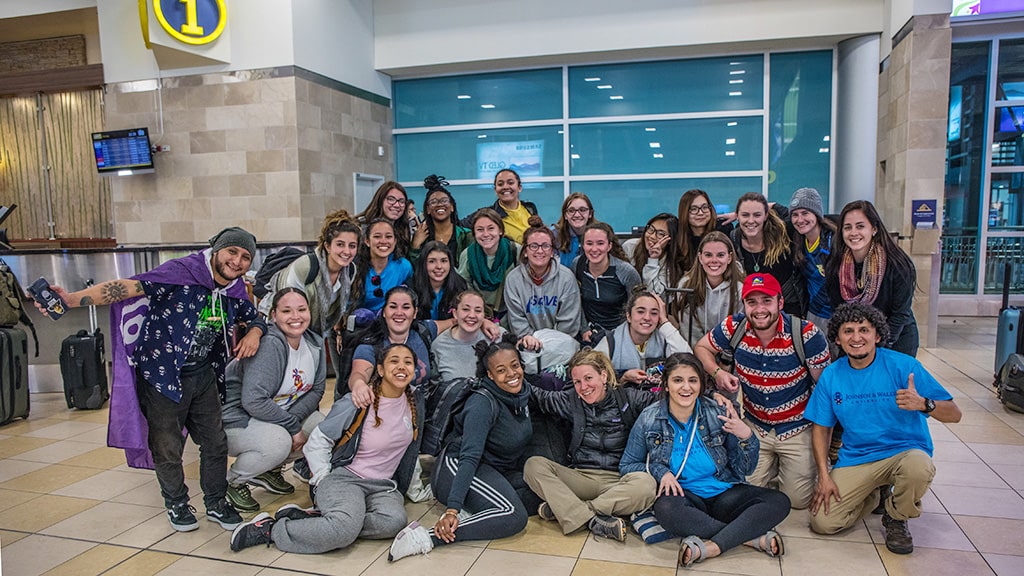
(393, 200)
(659, 234)
(378, 292)
(438, 202)
(572, 211)
(699, 209)
(534, 247)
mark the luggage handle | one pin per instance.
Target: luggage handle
(1007, 269)
(92, 309)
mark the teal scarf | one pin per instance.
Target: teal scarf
(489, 278)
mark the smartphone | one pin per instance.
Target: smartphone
(48, 299)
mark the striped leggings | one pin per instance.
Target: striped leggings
(497, 504)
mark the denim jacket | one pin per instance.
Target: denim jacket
(650, 444)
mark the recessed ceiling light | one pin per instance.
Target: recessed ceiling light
(650, 129)
(739, 81)
(734, 63)
(615, 97)
(482, 136)
(730, 140)
(826, 138)
(737, 72)
(733, 123)
(823, 150)
(592, 79)
(730, 152)
(487, 106)
(604, 86)
(561, 131)
(736, 93)
(574, 156)
(654, 144)
(659, 155)
(463, 96)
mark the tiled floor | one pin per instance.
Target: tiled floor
(68, 505)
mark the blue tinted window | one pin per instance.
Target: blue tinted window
(800, 124)
(628, 203)
(546, 195)
(479, 154)
(479, 98)
(710, 144)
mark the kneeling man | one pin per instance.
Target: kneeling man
(883, 400)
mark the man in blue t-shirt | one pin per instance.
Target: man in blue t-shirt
(883, 400)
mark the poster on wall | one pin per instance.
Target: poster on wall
(976, 7)
(525, 157)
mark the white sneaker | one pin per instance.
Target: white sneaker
(413, 539)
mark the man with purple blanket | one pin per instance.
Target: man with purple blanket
(171, 337)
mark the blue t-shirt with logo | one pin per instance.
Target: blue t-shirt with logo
(864, 402)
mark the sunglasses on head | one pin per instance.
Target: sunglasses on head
(378, 292)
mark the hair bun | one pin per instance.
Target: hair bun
(535, 221)
(434, 182)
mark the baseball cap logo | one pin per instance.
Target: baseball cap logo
(757, 281)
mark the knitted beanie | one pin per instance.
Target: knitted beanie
(234, 236)
(808, 199)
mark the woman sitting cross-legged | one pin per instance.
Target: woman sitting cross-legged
(700, 452)
(362, 462)
(478, 476)
(589, 491)
(272, 400)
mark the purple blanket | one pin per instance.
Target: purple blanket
(127, 428)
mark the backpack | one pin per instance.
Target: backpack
(796, 336)
(653, 381)
(370, 335)
(12, 303)
(440, 423)
(278, 261)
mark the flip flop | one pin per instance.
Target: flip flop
(764, 543)
(697, 551)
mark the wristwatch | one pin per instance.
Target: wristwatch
(929, 405)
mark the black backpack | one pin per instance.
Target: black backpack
(12, 303)
(451, 399)
(278, 261)
(370, 335)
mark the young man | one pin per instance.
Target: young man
(776, 385)
(170, 343)
(883, 400)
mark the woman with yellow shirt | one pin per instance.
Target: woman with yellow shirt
(515, 213)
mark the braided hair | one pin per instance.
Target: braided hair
(377, 380)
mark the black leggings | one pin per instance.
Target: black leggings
(739, 514)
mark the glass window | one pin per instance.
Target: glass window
(999, 252)
(704, 145)
(628, 203)
(479, 154)
(1010, 77)
(479, 98)
(547, 196)
(1005, 209)
(800, 124)
(1008, 136)
(959, 264)
(698, 85)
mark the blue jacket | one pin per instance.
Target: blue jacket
(650, 444)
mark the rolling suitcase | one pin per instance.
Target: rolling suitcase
(83, 367)
(1009, 333)
(14, 402)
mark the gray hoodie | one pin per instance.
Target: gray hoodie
(711, 313)
(555, 303)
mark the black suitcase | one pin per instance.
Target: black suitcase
(83, 367)
(14, 402)
(1009, 334)
(1011, 383)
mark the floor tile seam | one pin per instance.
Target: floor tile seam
(136, 554)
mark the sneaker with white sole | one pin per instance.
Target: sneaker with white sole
(241, 498)
(273, 481)
(611, 527)
(301, 470)
(295, 512)
(413, 539)
(545, 512)
(182, 517)
(223, 513)
(253, 532)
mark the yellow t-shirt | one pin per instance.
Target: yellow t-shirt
(516, 223)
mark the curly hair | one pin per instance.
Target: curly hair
(376, 381)
(437, 185)
(334, 224)
(599, 361)
(485, 350)
(856, 313)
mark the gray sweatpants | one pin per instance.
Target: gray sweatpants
(262, 446)
(351, 507)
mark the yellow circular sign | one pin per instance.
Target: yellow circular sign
(194, 21)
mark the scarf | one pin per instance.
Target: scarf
(489, 278)
(865, 289)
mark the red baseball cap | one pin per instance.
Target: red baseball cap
(763, 283)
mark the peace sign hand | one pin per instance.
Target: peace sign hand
(733, 424)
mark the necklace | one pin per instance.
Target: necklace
(758, 259)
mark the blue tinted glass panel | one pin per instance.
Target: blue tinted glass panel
(546, 195)
(479, 98)
(700, 85)
(628, 203)
(800, 124)
(711, 144)
(479, 154)
(1010, 78)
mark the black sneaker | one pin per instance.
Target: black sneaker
(608, 527)
(897, 535)
(253, 532)
(545, 513)
(182, 517)
(295, 512)
(272, 481)
(301, 469)
(241, 498)
(223, 513)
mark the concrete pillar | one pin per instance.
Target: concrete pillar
(856, 138)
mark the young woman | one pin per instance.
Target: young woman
(362, 462)
(644, 340)
(868, 267)
(589, 491)
(389, 202)
(328, 293)
(700, 453)
(478, 475)
(540, 292)
(515, 213)
(436, 282)
(271, 400)
(654, 255)
(378, 267)
(442, 220)
(605, 278)
(697, 217)
(714, 285)
(812, 239)
(485, 263)
(762, 245)
(453, 348)
(577, 213)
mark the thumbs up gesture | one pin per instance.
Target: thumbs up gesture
(908, 398)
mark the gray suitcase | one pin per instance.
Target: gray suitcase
(14, 401)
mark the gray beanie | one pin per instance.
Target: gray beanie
(234, 236)
(808, 199)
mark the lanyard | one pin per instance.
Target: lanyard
(689, 445)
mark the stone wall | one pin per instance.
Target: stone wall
(46, 54)
(269, 150)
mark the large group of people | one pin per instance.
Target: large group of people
(713, 361)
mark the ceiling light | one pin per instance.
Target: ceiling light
(738, 81)
(659, 155)
(463, 96)
(615, 97)
(650, 129)
(730, 152)
(737, 72)
(734, 63)
(574, 156)
(733, 123)
(482, 136)
(823, 150)
(730, 140)
(487, 106)
(826, 138)
(604, 86)
(736, 93)
(654, 144)
(592, 79)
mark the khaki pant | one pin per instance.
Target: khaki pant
(788, 462)
(910, 473)
(576, 496)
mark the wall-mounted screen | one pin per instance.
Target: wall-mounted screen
(123, 151)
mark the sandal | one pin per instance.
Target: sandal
(764, 543)
(697, 551)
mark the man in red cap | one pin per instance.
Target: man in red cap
(777, 378)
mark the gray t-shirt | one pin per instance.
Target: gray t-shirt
(455, 358)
